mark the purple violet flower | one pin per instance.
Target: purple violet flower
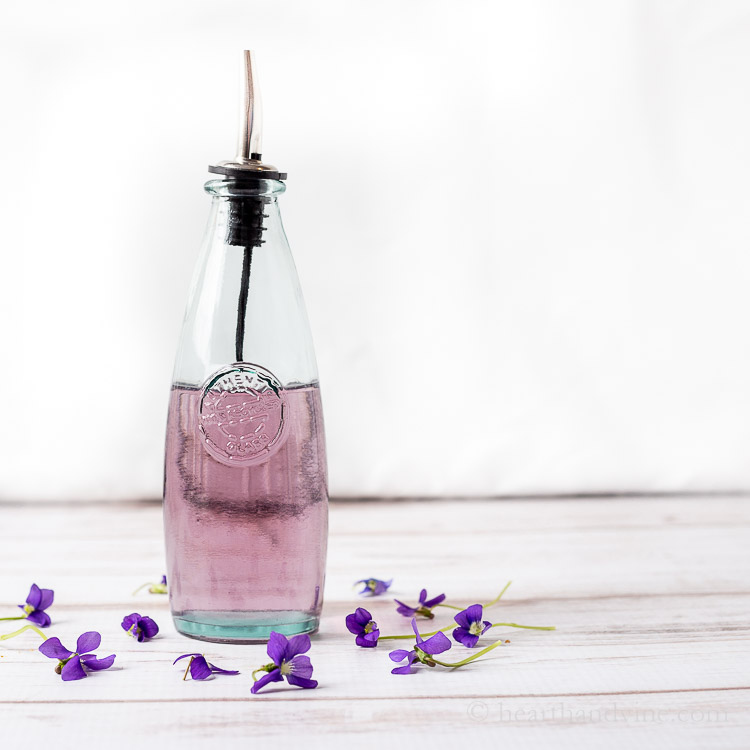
(362, 625)
(421, 652)
(71, 663)
(36, 602)
(374, 586)
(470, 626)
(286, 661)
(423, 608)
(141, 628)
(200, 669)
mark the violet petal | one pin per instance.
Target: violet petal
(368, 640)
(87, 642)
(432, 602)
(184, 656)
(406, 669)
(301, 666)
(362, 616)
(302, 682)
(405, 609)
(277, 647)
(149, 627)
(91, 662)
(73, 670)
(381, 587)
(40, 618)
(219, 670)
(436, 644)
(464, 637)
(353, 625)
(398, 655)
(414, 628)
(129, 621)
(53, 649)
(35, 596)
(474, 613)
(273, 676)
(199, 669)
(298, 644)
(48, 596)
(402, 670)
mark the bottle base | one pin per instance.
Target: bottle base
(243, 627)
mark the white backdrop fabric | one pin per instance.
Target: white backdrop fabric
(521, 228)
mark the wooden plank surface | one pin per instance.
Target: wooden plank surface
(651, 598)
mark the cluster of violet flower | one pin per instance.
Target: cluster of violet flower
(75, 665)
(469, 621)
(288, 659)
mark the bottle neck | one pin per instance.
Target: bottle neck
(246, 212)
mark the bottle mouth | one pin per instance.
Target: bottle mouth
(240, 185)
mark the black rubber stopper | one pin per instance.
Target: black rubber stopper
(244, 229)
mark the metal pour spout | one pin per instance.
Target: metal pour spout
(248, 162)
(251, 115)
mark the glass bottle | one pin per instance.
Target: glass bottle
(245, 488)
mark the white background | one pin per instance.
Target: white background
(522, 229)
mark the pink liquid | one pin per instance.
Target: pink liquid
(246, 544)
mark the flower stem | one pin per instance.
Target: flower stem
(22, 630)
(525, 627)
(22, 617)
(468, 659)
(453, 625)
(142, 586)
(189, 663)
(499, 596)
(488, 604)
(411, 635)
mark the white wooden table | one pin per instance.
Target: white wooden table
(650, 596)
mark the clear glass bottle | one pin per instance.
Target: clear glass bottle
(245, 489)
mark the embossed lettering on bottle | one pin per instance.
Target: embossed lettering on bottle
(241, 414)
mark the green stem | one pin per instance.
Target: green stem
(499, 596)
(184, 677)
(453, 625)
(468, 659)
(22, 617)
(424, 635)
(525, 627)
(22, 630)
(488, 604)
(142, 586)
